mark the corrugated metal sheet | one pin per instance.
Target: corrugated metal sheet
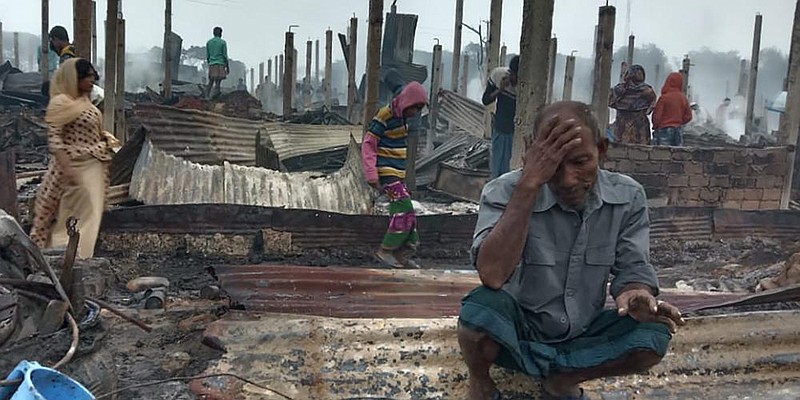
(777, 224)
(746, 356)
(292, 140)
(208, 138)
(199, 136)
(427, 166)
(460, 183)
(464, 113)
(159, 178)
(373, 293)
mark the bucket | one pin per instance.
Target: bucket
(42, 383)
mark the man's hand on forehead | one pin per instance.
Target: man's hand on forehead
(544, 154)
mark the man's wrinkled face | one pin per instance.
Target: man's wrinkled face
(577, 173)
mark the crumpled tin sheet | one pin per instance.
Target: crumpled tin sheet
(727, 357)
(160, 178)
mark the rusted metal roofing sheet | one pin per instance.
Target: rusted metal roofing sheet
(778, 224)
(373, 293)
(744, 356)
(292, 140)
(460, 183)
(464, 113)
(160, 178)
(208, 138)
(199, 136)
(681, 222)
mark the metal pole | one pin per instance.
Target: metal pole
(328, 67)
(602, 63)
(45, 70)
(167, 50)
(457, 44)
(535, 48)
(288, 72)
(569, 77)
(749, 126)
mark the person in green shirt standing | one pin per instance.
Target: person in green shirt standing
(217, 59)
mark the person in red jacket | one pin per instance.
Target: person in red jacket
(672, 112)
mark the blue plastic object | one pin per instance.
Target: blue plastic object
(42, 383)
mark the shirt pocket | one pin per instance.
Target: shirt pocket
(540, 253)
(599, 260)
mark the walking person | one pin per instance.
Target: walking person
(672, 112)
(76, 180)
(634, 101)
(384, 152)
(502, 88)
(217, 59)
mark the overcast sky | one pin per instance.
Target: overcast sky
(254, 28)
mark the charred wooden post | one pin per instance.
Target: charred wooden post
(537, 26)
(119, 87)
(373, 61)
(16, 49)
(503, 56)
(465, 76)
(307, 80)
(328, 67)
(749, 126)
(45, 42)
(492, 57)
(8, 183)
(82, 27)
(110, 83)
(790, 123)
(551, 71)
(604, 49)
(281, 70)
(352, 90)
(631, 43)
(686, 66)
(457, 45)
(742, 89)
(436, 84)
(288, 71)
(167, 64)
(569, 78)
(94, 32)
(2, 58)
(316, 62)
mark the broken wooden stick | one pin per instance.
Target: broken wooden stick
(119, 313)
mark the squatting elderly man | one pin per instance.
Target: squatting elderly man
(549, 239)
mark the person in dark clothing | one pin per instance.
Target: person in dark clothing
(502, 87)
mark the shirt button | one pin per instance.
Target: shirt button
(563, 320)
(570, 292)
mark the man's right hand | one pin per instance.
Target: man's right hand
(544, 154)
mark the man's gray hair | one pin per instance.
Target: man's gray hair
(582, 110)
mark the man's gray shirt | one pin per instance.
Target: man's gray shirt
(569, 256)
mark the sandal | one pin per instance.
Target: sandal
(547, 396)
(388, 260)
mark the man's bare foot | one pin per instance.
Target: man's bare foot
(482, 390)
(555, 388)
